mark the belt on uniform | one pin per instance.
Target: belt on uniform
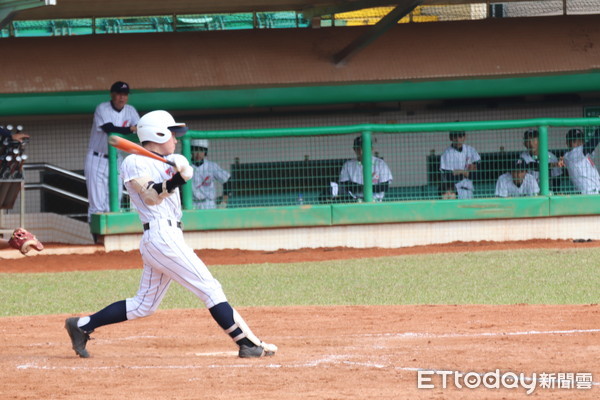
(100, 154)
(171, 223)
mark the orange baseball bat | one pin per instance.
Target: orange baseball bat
(134, 148)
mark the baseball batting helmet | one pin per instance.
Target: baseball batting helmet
(156, 126)
(200, 143)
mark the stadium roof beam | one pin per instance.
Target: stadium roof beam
(10, 8)
(328, 9)
(400, 11)
(74, 9)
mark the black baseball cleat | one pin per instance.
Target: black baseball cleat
(78, 337)
(265, 350)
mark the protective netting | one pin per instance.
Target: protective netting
(300, 170)
(418, 166)
(293, 19)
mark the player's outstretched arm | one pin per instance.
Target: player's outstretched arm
(153, 193)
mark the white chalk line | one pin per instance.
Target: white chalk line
(328, 360)
(480, 334)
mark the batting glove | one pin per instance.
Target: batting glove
(182, 165)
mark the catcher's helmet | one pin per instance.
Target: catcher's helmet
(156, 126)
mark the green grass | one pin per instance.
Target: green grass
(501, 277)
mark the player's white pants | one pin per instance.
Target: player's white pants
(96, 181)
(167, 258)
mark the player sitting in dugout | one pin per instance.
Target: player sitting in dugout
(458, 163)
(579, 161)
(351, 177)
(518, 182)
(531, 158)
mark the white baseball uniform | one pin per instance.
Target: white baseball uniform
(96, 161)
(164, 252)
(352, 171)
(203, 183)
(552, 159)
(505, 186)
(453, 159)
(582, 171)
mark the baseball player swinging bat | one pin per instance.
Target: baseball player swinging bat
(134, 148)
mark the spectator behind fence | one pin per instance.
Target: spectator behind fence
(458, 162)
(532, 161)
(205, 174)
(351, 176)
(114, 116)
(579, 163)
(518, 182)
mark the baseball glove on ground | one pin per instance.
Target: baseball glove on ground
(24, 241)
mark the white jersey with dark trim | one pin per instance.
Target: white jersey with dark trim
(582, 171)
(452, 160)
(135, 166)
(352, 171)
(505, 186)
(552, 159)
(104, 114)
(204, 188)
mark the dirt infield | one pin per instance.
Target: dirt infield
(324, 353)
(343, 352)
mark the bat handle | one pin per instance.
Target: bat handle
(171, 163)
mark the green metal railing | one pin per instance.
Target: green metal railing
(366, 131)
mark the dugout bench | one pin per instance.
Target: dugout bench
(282, 183)
(491, 166)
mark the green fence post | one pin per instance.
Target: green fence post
(543, 157)
(367, 161)
(113, 180)
(186, 190)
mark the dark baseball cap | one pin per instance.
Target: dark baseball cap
(456, 134)
(574, 134)
(530, 133)
(357, 142)
(518, 165)
(120, 87)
